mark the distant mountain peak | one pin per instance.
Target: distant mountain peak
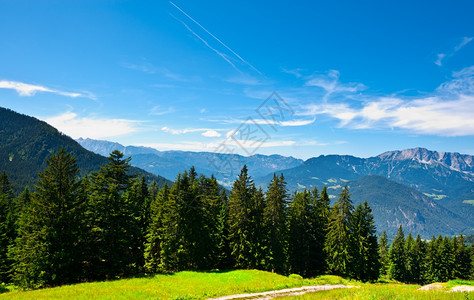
(453, 160)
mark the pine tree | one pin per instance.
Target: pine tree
(49, 248)
(301, 234)
(364, 252)
(8, 216)
(397, 269)
(275, 220)
(319, 227)
(112, 221)
(338, 239)
(409, 241)
(432, 261)
(224, 260)
(417, 260)
(462, 259)
(154, 232)
(241, 199)
(383, 255)
(446, 253)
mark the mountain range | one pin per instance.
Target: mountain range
(425, 191)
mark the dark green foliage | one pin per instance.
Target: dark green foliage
(416, 260)
(275, 222)
(462, 259)
(245, 210)
(154, 232)
(112, 221)
(8, 216)
(26, 143)
(364, 251)
(397, 269)
(49, 247)
(338, 239)
(383, 255)
(307, 228)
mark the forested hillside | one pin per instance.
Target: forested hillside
(26, 143)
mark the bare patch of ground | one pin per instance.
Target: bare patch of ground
(286, 292)
(431, 287)
(463, 288)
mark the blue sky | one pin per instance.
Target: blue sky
(299, 78)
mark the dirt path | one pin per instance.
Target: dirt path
(286, 292)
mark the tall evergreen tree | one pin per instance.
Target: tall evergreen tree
(241, 200)
(432, 261)
(397, 269)
(446, 253)
(319, 228)
(112, 221)
(417, 260)
(8, 216)
(154, 232)
(49, 248)
(365, 248)
(275, 220)
(338, 239)
(301, 234)
(383, 254)
(224, 260)
(409, 242)
(462, 259)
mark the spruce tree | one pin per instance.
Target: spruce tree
(446, 253)
(275, 220)
(417, 260)
(154, 232)
(462, 259)
(383, 255)
(432, 261)
(8, 216)
(301, 234)
(241, 200)
(397, 269)
(49, 248)
(365, 265)
(319, 228)
(224, 260)
(409, 241)
(338, 240)
(113, 225)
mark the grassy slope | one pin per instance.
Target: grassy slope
(201, 285)
(182, 285)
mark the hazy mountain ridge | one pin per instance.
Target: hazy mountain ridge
(170, 163)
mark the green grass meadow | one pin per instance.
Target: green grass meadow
(202, 285)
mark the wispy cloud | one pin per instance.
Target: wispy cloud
(331, 84)
(447, 112)
(217, 39)
(144, 67)
(95, 128)
(441, 56)
(207, 132)
(28, 90)
(159, 111)
(296, 72)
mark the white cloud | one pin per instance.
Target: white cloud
(211, 133)
(466, 40)
(439, 61)
(297, 122)
(159, 111)
(25, 89)
(76, 127)
(449, 111)
(331, 84)
(207, 132)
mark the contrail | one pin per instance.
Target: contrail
(221, 42)
(207, 44)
